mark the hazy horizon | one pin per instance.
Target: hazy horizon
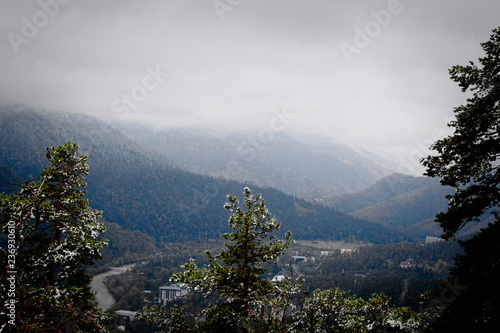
(372, 74)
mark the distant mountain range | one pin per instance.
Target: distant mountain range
(147, 186)
(405, 203)
(309, 167)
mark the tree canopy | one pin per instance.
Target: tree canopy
(243, 300)
(235, 275)
(469, 160)
(51, 235)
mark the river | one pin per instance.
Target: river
(102, 295)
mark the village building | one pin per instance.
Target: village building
(171, 293)
(345, 251)
(277, 278)
(299, 258)
(125, 314)
(408, 263)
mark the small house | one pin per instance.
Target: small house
(130, 315)
(408, 263)
(277, 278)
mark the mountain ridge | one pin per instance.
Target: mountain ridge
(143, 190)
(406, 203)
(305, 166)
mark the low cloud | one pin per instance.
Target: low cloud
(232, 72)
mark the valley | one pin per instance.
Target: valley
(145, 190)
(162, 194)
(103, 297)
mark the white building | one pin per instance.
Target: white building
(430, 239)
(130, 315)
(278, 278)
(172, 293)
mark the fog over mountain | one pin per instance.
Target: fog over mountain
(310, 167)
(370, 74)
(141, 189)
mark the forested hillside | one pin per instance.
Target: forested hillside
(371, 269)
(385, 189)
(144, 190)
(406, 203)
(304, 166)
(403, 202)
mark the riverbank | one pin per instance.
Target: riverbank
(102, 295)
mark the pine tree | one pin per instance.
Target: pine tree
(51, 234)
(235, 275)
(242, 300)
(331, 311)
(469, 161)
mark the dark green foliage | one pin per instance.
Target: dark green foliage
(155, 273)
(469, 161)
(55, 234)
(331, 311)
(377, 269)
(235, 275)
(124, 247)
(373, 269)
(474, 299)
(242, 300)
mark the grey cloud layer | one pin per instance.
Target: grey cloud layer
(393, 94)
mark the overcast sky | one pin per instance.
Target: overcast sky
(371, 74)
